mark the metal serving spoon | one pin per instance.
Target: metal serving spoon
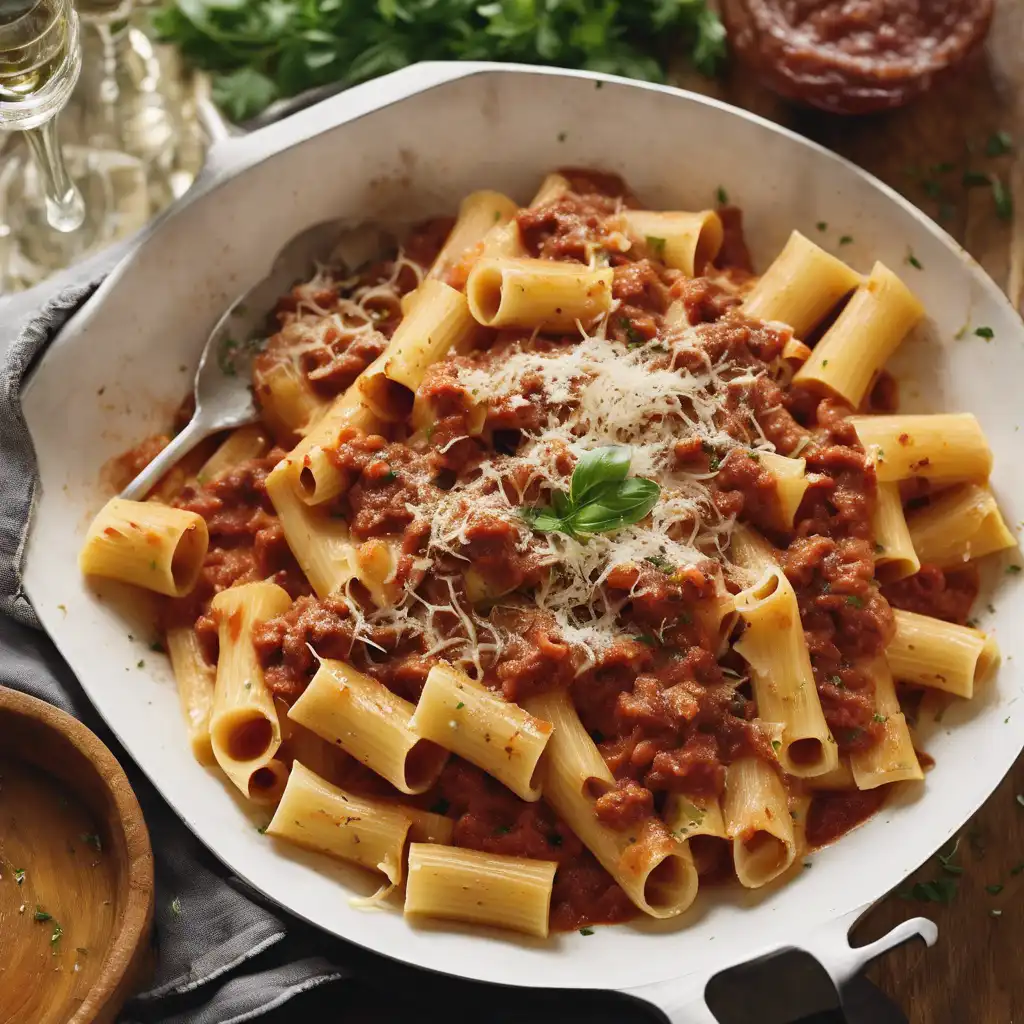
(223, 391)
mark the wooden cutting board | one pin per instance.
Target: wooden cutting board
(975, 975)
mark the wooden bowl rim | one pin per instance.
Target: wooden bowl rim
(138, 908)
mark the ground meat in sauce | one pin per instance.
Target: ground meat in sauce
(246, 545)
(664, 714)
(946, 594)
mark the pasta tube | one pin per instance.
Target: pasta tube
(470, 720)
(948, 448)
(699, 821)
(683, 241)
(756, 813)
(371, 723)
(318, 816)
(940, 655)
(655, 870)
(893, 758)
(801, 287)
(895, 552)
(195, 681)
(244, 727)
(960, 525)
(148, 544)
(774, 647)
(537, 294)
(857, 346)
(245, 443)
(479, 213)
(481, 888)
(321, 545)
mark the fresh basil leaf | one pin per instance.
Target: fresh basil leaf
(617, 505)
(596, 468)
(544, 520)
(243, 93)
(562, 504)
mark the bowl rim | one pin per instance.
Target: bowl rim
(136, 920)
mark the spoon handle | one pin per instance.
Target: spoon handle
(180, 446)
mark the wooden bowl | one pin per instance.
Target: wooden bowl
(76, 871)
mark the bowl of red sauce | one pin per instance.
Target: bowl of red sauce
(855, 56)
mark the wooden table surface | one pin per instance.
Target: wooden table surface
(974, 975)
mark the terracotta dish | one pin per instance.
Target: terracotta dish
(76, 871)
(854, 58)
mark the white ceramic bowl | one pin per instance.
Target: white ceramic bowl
(411, 145)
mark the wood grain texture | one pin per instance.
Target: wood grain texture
(975, 974)
(96, 848)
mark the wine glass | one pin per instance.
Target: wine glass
(40, 61)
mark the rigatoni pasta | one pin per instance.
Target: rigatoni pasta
(316, 815)
(146, 544)
(801, 287)
(465, 717)
(245, 731)
(773, 646)
(940, 655)
(371, 723)
(855, 348)
(957, 526)
(482, 888)
(537, 294)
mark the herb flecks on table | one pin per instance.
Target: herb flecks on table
(263, 50)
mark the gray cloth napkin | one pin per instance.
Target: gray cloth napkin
(212, 939)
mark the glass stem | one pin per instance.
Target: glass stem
(65, 208)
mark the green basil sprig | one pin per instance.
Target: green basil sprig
(601, 497)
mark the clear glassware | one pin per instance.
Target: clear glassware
(40, 61)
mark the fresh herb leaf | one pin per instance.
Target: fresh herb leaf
(722, 196)
(999, 144)
(846, 240)
(262, 50)
(1003, 199)
(822, 225)
(41, 915)
(984, 332)
(975, 179)
(55, 937)
(662, 563)
(776, 745)
(460, 705)
(941, 890)
(880, 719)
(646, 638)
(601, 497)
(616, 506)
(914, 261)
(994, 890)
(657, 245)
(854, 601)
(586, 931)
(596, 468)
(1012, 570)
